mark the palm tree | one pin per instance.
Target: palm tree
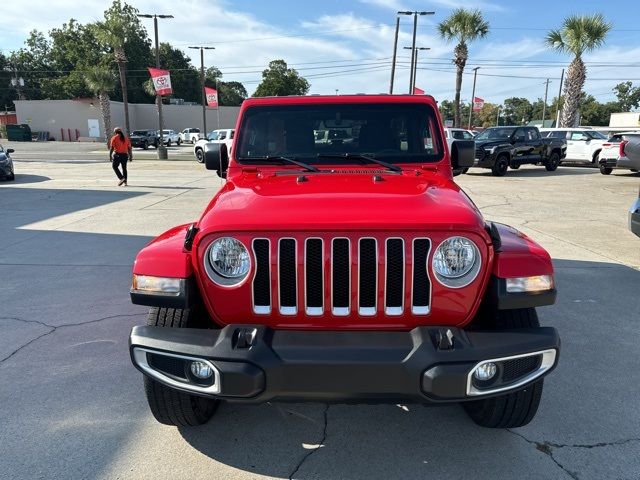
(578, 34)
(112, 32)
(102, 82)
(463, 26)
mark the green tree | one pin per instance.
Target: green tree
(123, 34)
(279, 80)
(594, 113)
(446, 108)
(516, 111)
(578, 34)
(229, 93)
(628, 96)
(486, 117)
(102, 82)
(462, 26)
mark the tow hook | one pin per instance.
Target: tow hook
(444, 339)
(244, 337)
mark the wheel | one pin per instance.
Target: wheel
(145, 145)
(514, 409)
(551, 165)
(465, 170)
(199, 155)
(155, 144)
(179, 141)
(168, 143)
(500, 166)
(167, 405)
(605, 170)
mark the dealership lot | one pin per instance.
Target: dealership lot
(73, 407)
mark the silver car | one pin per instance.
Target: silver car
(624, 154)
(6, 164)
(634, 216)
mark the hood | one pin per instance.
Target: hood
(491, 143)
(340, 200)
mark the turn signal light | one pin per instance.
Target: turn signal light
(538, 283)
(157, 285)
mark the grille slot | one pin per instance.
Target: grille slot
(262, 280)
(519, 367)
(421, 291)
(169, 365)
(394, 282)
(367, 276)
(314, 276)
(340, 276)
(287, 278)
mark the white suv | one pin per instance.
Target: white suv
(224, 135)
(191, 135)
(583, 144)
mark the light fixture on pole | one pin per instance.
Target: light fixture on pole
(413, 42)
(204, 94)
(162, 151)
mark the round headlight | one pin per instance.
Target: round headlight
(229, 261)
(456, 262)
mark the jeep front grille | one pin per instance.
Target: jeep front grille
(341, 276)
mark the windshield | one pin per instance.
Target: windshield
(213, 135)
(495, 134)
(139, 132)
(596, 135)
(395, 133)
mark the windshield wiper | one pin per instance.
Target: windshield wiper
(278, 158)
(359, 156)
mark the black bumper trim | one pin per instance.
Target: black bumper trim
(286, 365)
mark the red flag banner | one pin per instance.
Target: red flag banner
(418, 91)
(212, 97)
(161, 81)
(478, 103)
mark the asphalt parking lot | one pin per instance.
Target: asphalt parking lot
(72, 406)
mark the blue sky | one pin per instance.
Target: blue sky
(347, 45)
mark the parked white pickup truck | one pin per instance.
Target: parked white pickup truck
(216, 136)
(583, 144)
(191, 135)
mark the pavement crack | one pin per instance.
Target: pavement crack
(547, 449)
(53, 328)
(320, 444)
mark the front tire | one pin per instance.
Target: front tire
(200, 155)
(145, 146)
(605, 170)
(500, 166)
(167, 405)
(551, 165)
(179, 142)
(515, 409)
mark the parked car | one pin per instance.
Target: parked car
(216, 136)
(144, 138)
(170, 137)
(453, 134)
(634, 216)
(191, 135)
(6, 164)
(499, 148)
(583, 144)
(343, 273)
(622, 151)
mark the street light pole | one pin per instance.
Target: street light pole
(162, 151)
(204, 95)
(498, 117)
(413, 43)
(414, 72)
(558, 101)
(473, 95)
(395, 50)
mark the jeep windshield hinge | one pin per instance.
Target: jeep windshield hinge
(188, 238)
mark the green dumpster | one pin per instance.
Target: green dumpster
(19, 133)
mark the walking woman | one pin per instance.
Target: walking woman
(120, 154)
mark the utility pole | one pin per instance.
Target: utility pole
(498, 117)
(544, 107)
(395, 50)
(162, 151)
(473, 95)
(558, 101)
(413, 42)
(204, 95)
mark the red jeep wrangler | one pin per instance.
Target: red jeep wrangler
(341, 263)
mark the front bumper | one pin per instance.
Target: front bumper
(256, 364)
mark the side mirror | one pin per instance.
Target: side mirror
(9, 150)
(216, 158)
(463, 154)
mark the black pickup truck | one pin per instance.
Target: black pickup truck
(499, 148)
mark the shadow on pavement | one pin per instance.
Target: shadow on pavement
(524, 172)
(25, 178)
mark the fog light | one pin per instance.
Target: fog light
(201, 370)
(486, 371)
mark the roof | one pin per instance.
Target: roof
(327, 99)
